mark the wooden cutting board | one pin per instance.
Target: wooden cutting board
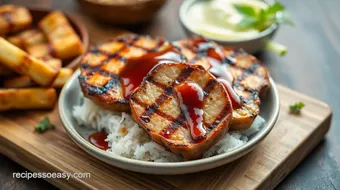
(292, 138)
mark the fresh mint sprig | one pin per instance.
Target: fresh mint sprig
(44, 125)
(296, 108)
(262, 19)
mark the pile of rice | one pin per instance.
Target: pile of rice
(126, 138)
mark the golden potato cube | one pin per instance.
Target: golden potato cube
(28, 38)
(62, 78)
(52, 21)
(39, 50)
(14, 18)
(53, 62)
(60, 34)
(17, 41)
(19, 82)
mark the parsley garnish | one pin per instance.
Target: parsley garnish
(296, 108)
(44, 125)
(262, 19)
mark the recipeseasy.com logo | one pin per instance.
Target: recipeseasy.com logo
(50, 175)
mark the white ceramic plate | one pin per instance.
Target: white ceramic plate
(71, 96)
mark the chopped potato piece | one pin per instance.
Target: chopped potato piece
(28, 38)
(39, 50)
(60, 34)
(25, 64)
(30, 98)
(13, 18)
(19, 82)
(53, 62)
(63, 76)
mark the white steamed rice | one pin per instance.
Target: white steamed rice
(126, 138)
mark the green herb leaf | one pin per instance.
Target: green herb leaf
(274, 8)
(247, 22)
(246, 10)
(44, 125)
(296, 108)
(263, 18)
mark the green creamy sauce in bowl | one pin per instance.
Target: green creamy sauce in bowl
(220, 19)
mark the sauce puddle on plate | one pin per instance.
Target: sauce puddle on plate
(137, 68)
(98, 140)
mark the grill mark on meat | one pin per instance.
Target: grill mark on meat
(230, 61)
(151, 109)
(220, 116)
(99, 90)
(114, 81)
(175, 122)
(167, 92)
(173, 126)
(209, 87)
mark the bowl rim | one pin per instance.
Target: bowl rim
(182, 17)
(83, 33)
(88, 147)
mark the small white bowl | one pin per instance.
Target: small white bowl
(251, 45)
(71, 95)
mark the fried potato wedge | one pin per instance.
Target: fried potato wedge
(25, 64)
(22, 99)
(63, 39)
(14, 18)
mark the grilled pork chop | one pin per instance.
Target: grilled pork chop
(182, 107)
(244, 76)
(112, 70)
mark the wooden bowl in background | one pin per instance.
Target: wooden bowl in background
(79, 28)
(129, 12)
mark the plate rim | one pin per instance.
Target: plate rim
(135, 165)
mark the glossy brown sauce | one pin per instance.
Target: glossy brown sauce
(98, 140)
(137, 68)
(219, 68)
(191, 97)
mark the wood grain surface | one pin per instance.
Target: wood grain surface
(311, 67)
(292, 138)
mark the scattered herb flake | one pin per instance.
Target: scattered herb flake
(44, 125)
(296, 108)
